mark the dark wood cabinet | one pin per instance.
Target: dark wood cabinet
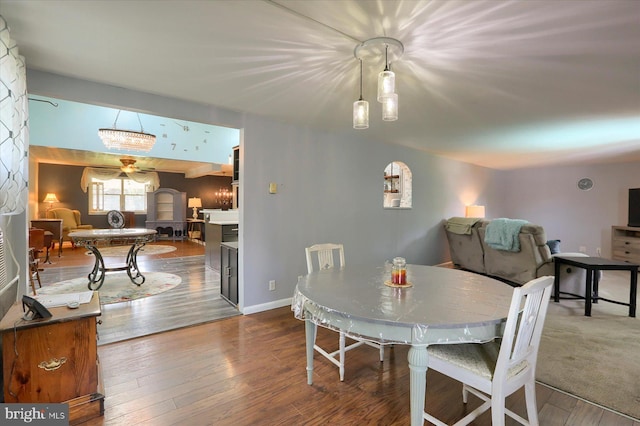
(54, 359)
(216, 234)
(236, 163)
(129, 219)
(229, 272)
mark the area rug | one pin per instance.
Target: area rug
(594, 358)
(118, 287)
(121, 251)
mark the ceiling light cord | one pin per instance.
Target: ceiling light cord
(386, 57)
(361, 80)
(140, 121)
(115, 122)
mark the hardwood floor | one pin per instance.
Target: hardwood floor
(250, 370)
(196, 300)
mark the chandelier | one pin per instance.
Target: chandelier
(223, 197)
(387, 96)
(129, 140)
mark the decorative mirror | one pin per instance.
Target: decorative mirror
(397, 186)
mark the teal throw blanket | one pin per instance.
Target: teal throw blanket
(502, 234)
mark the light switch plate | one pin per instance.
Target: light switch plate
(273, 188)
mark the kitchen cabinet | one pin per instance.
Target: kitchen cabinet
(229, 272)
(215, 234)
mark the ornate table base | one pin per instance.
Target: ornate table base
(90, 240)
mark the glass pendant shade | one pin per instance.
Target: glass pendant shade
(390, 108)
(386, 84)
(361, 114)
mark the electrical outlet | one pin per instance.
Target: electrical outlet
(272, 285)
(583, 249)
(598, 252)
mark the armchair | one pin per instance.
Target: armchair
(70, 221)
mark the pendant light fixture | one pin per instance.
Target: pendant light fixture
(386, 79)
(361, 109)
(371, 50)
(130, 140)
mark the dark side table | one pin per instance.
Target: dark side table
(592, 265)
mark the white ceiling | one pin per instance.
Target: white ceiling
(503, 84)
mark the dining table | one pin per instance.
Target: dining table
(94, 239)
(439, 305)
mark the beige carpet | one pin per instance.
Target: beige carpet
(117, 287)
(596, 358)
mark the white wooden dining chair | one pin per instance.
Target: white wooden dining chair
(325, 255)
(494, 370)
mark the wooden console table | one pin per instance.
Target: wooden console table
(55, 227)
(54, 359)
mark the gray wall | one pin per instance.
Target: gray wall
(330, 190)
(550, 196)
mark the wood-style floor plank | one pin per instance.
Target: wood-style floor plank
(196, 300)
(250, 370)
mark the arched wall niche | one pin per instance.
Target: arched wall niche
(397, 186)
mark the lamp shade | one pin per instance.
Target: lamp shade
(361, 114)
(50, 198)
(390, 108)
(195, 202)
(474, 211)
(386, 85)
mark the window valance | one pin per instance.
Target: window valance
(149, 178)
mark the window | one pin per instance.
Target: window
(121, 193)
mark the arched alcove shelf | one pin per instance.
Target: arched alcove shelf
(397, 186)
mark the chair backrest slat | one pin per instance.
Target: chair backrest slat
(523, 329)
(325, 254)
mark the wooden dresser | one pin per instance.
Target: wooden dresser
(625, 244)
(56, 361)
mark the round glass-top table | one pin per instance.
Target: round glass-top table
(92, 239)
(442, 306)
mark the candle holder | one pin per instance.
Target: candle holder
(398, 273)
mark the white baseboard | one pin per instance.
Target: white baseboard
(247, 310)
